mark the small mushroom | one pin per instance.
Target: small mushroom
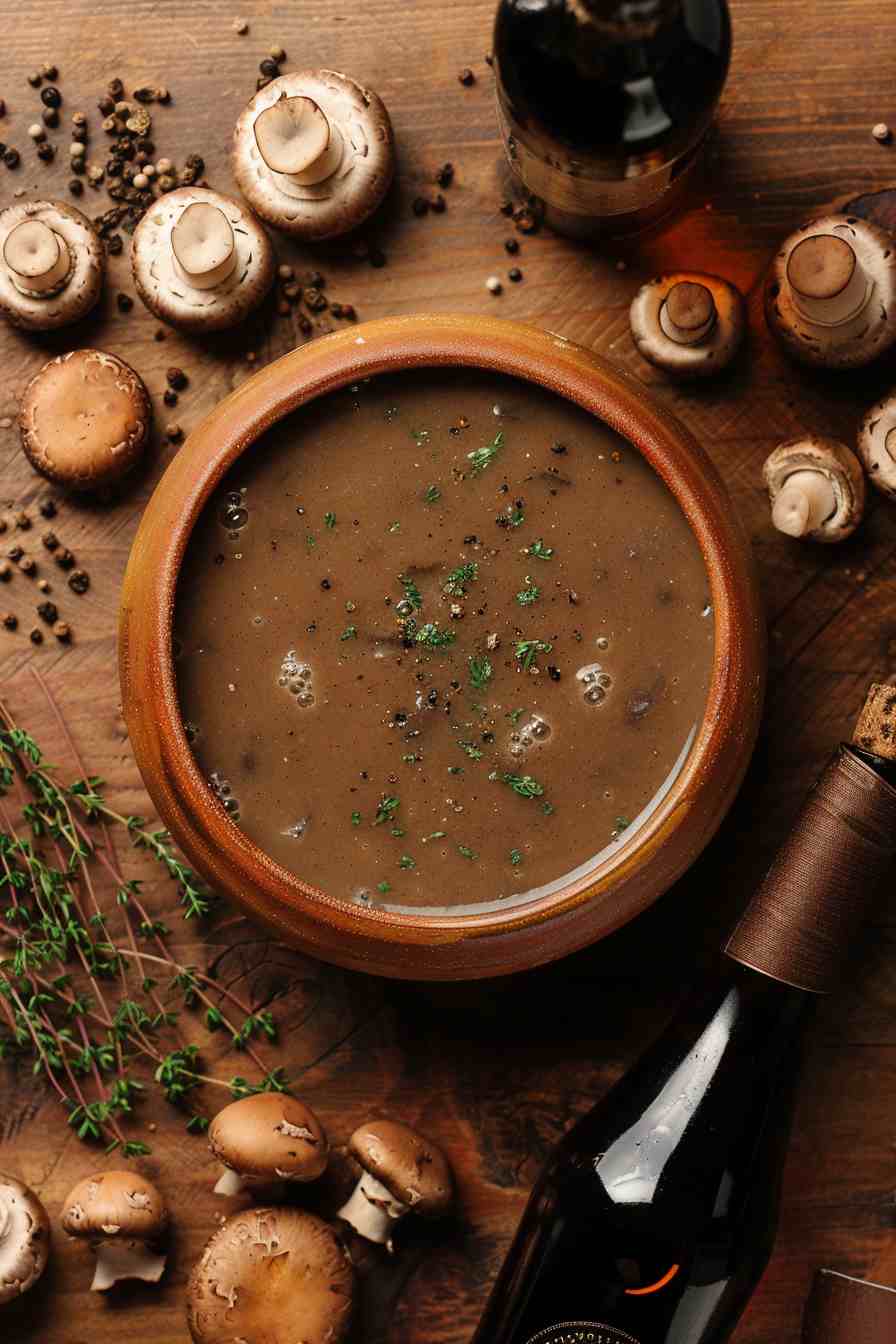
(402, 1172)
(688, 323)
(85, 419)
(830, 296)
(877, 445)
(264, 1139)
(816, 488)
(24, 1238)
(314, 153)
(200, 260)
(52, 265)
(123, 1217)
(271, 1276)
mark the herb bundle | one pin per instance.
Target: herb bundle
(89, 988)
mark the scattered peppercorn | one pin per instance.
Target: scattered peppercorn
(315, 299)
(22, 521)
(5, 571)
(493, 285)
(506, 207)
(466, 77)
(36, 636)
(11, 621)
(50, 71)
(50, 117)
(420, 206)
(106, 105)
(28, 565)
(35, 79)
(269, 67)
(277, 54)
(48, 508)
(115, 89)
(50, 96)
(326, 585)
(79, 581)
(16, 552)
(515, 274)
(46, 152)
(11, 158)
(64, 558)
(62, 631)
(170, 397)
(125, 303)
(445, 175)
(174, 433)
(553, 672)
(512, 246)
(177, 379)
(76, 186)
(48, 612)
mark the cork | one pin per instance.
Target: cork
(875, 730)
(843, 1310)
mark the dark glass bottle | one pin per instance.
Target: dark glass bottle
(655, 1216)
(605, 104)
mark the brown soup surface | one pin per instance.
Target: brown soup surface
(443, 640)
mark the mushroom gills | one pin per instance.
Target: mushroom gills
(806, 500)
(125, 1260)
(37, 258)
(829, 283)
(372, 1209)
(203, 246)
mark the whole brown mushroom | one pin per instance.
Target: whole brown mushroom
(816, 488)
(200, 260)
(24, 1238)
(689, 324)
(271, 1276)
(402, 1172)
(314, 153)
(830, 295)
(52, 265)
(877, 445)
(123, 1218)
(85, 419)
(264, 1139)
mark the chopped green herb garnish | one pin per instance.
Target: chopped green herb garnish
(455, 584)
(420, 436)
(432, 494)
(539, 550)
(526, 596)
(480, 671)
(622, 823)
(356, 818)
(527, 651)
(411, 758)
(350, 632)
(515, 715)
(434, 835)
(383, 887)
(411, 592)
(547, 808)
(455, 769)
(467, 852)
(515, 857)
(480, 458)
(433, 637)
(329, 520)
(407, 862)
(397, 832)
(524, 785)
(395, 527)
(516, 517)
(310, 539)
(472, 751)
(351, 606)
(386, 809)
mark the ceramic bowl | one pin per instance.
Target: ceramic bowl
(421, 945)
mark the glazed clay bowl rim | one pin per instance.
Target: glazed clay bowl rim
(444, 944)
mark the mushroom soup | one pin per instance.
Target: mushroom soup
(443, 639)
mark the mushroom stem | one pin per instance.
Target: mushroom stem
(688, 314)
(230, 1182)
(115, 1261)
(203, 245)
(37, 258)
(372, 1210)
(829, 283)
(806, 500)
(298, 141)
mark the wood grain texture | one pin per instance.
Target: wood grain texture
(495, 1072)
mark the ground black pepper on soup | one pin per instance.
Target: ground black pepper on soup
(442, 640)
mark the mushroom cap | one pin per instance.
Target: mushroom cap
(165, 289)
(119, 1205)
(85, 282)
(412, 1168)
(877, 445)
(341, 201)
(24, 1238)
(271, 1276)
(85, 419)
(705, 357)
(269, 1137)
(861, 338)
(837, 464)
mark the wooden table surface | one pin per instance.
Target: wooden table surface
(494, 1072)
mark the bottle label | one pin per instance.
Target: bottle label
(581, 1332)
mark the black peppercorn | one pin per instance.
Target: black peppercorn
(50, 96)
(48, 612)
(50, 71)
(512, 246)
(79, 581)
(48, 508)
(420, 206)
(177, 379)
(515, 274)
(34, 79)
(15, 552)
(106, 105)
(113, 167)
(64, 558)
(50, 539)
(315, 300)
(46, 152)
(326, 585)
(36, 636)
(5, 571)
(28, 565)
(115, 89)
(62, 631)
(125, 303)
(10, 621)
(50, 117)
(466, 77)
(554, 672)
(174, 433)
(445, 175)
(269, 67)
(170, 397)
(11, 158)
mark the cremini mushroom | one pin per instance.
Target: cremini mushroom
(314, 153)
(85, 419)
(877, 445)
(264, 1139)
(401, 1172)
(24, 1238)
(689, 324)
(200, 260)
(123, 1217)
(830, 295)
(816, 487)
(271, 1276)
(52, 265)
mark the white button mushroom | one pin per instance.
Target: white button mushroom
(200, 260)
(314, 153)
(830, 296)
(264, 1139)
(24, 1238)
(689, 324)
(52, 265)
(816, 488)
(877, 445)
(85, 419)
(401, 1172)
(271, 1276)
(123, 1218)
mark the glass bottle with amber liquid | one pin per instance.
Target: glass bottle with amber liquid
(654, 1218)
(605, 105)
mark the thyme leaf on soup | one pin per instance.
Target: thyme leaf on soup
(467, 852)
(329, 520)
(514, 715)
(432, 494)
(526, 596)
(538, 549)
(407, 862)
(527, 651)
(433, 835)
(350, 632)
(384, 887)
(515, 857)
(524, 785)
(480, 671)
(483, 457)
(432, 637)
(455, 584)
(412, 593)
(386, 809)
(472, 750)
(356, 818)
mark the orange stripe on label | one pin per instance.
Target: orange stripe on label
(654, 1287)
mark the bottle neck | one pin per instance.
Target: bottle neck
(802, 921)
